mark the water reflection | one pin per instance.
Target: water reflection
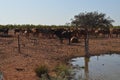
(105, 67)
(86, 59)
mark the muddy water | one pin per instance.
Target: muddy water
(104, 67)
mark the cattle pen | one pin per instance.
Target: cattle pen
(18, 64)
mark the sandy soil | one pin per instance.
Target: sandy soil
(20, 66)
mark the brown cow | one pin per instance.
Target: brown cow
(116, 32)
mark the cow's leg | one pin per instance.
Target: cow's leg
(96, 35)
(61, 40)
(14, 32)
(111, 35)
(69, 41)
(117, 35)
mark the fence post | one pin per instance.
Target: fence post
(87, 44)
(19, 43)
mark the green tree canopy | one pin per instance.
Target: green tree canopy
(92, 20)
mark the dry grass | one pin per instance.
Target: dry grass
(21, 66)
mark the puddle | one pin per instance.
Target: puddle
(1, 75)
(104, 67)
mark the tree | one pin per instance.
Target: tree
(90, 20)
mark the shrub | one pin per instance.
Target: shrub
(41, 70)
(62, 71)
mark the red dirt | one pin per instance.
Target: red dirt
(20, 66)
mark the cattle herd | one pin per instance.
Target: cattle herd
(63, 33)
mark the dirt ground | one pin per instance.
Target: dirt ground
(35, 52)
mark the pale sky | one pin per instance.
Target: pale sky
(54, 12)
